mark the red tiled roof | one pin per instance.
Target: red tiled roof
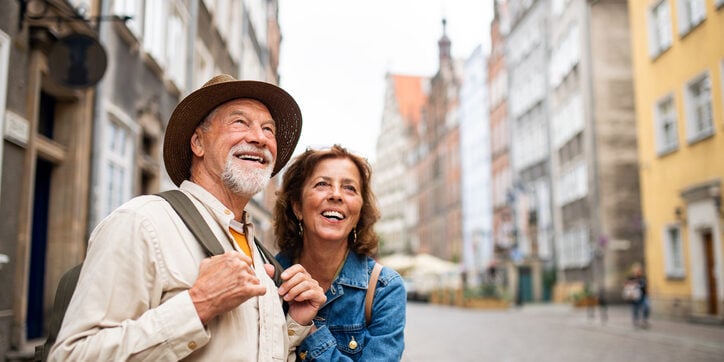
(410, 96)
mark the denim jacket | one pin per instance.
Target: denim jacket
(341, 320)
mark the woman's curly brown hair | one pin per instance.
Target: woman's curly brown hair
(286, 224)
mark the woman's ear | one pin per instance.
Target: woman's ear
(297, 210)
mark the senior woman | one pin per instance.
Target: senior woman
(324, 220)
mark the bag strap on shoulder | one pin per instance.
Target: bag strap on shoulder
(66, 287)
(371, 291)
(195, 222)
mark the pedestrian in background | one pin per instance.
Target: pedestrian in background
(636, 289)
(324, 219)
(147, 291)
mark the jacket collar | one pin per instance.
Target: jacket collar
(354, 273)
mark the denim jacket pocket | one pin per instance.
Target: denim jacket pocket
(350, 339)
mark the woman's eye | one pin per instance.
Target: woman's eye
(321, 183)
(351, 188)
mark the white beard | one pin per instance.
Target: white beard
(246, 181)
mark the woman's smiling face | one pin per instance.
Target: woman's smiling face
(331, 200)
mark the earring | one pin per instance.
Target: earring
(354, 236)
(301, 229)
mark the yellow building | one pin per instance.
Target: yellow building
(678, 59)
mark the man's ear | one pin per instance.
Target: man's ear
(197, 146)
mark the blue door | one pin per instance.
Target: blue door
(525, 284)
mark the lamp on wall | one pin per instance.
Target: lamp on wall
(37, 10)
(715, 194)
(679, 214)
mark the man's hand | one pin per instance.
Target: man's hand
(302, 293)
(224, 282)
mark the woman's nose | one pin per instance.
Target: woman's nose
(335, 193)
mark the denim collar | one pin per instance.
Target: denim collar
(354, 273)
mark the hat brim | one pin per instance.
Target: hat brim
(197, 105)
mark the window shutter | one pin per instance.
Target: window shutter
(683, 17)
(665, 30)
(698, 11)
(652, 30)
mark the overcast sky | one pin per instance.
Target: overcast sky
(335, 54)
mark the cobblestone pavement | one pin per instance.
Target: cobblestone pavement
(552, 332)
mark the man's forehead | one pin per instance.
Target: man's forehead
(246, 101)
(232, 107)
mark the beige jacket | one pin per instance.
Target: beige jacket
(132, 300)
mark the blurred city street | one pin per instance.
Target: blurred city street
(552, 332)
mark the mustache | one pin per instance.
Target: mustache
(249, 148)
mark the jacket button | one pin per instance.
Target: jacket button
(192, 345)
(290, 332)
(303, 355)
(353, 344)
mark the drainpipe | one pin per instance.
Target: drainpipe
(597, 266)
(99, 119)
(191, 44)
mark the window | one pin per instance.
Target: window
(176, 45)
(568, 120)
(690, 13)
(133, 9)
(558, 6)
(203, 65)
(673, 252)
(155, 30)
(565, 57)
(699, 122)
(572, 184)
(117, 185)
(574, 248)
(665, 126)
(659, 26)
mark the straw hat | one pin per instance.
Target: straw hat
(221, 89)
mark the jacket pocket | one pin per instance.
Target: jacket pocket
(351, 341)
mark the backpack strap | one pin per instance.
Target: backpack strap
(371, 291)
(66, 287)
(195, 222)
(269, 258)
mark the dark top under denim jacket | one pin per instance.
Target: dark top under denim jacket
(341, 332)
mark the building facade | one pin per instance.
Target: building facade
(439, 227)
(405, 96)
(72, 153)
(500, 136)
(593, 147)
(475, 168)
(530, 196)
(47, 124)
(678, 59)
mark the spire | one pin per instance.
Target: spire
(444, 43)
